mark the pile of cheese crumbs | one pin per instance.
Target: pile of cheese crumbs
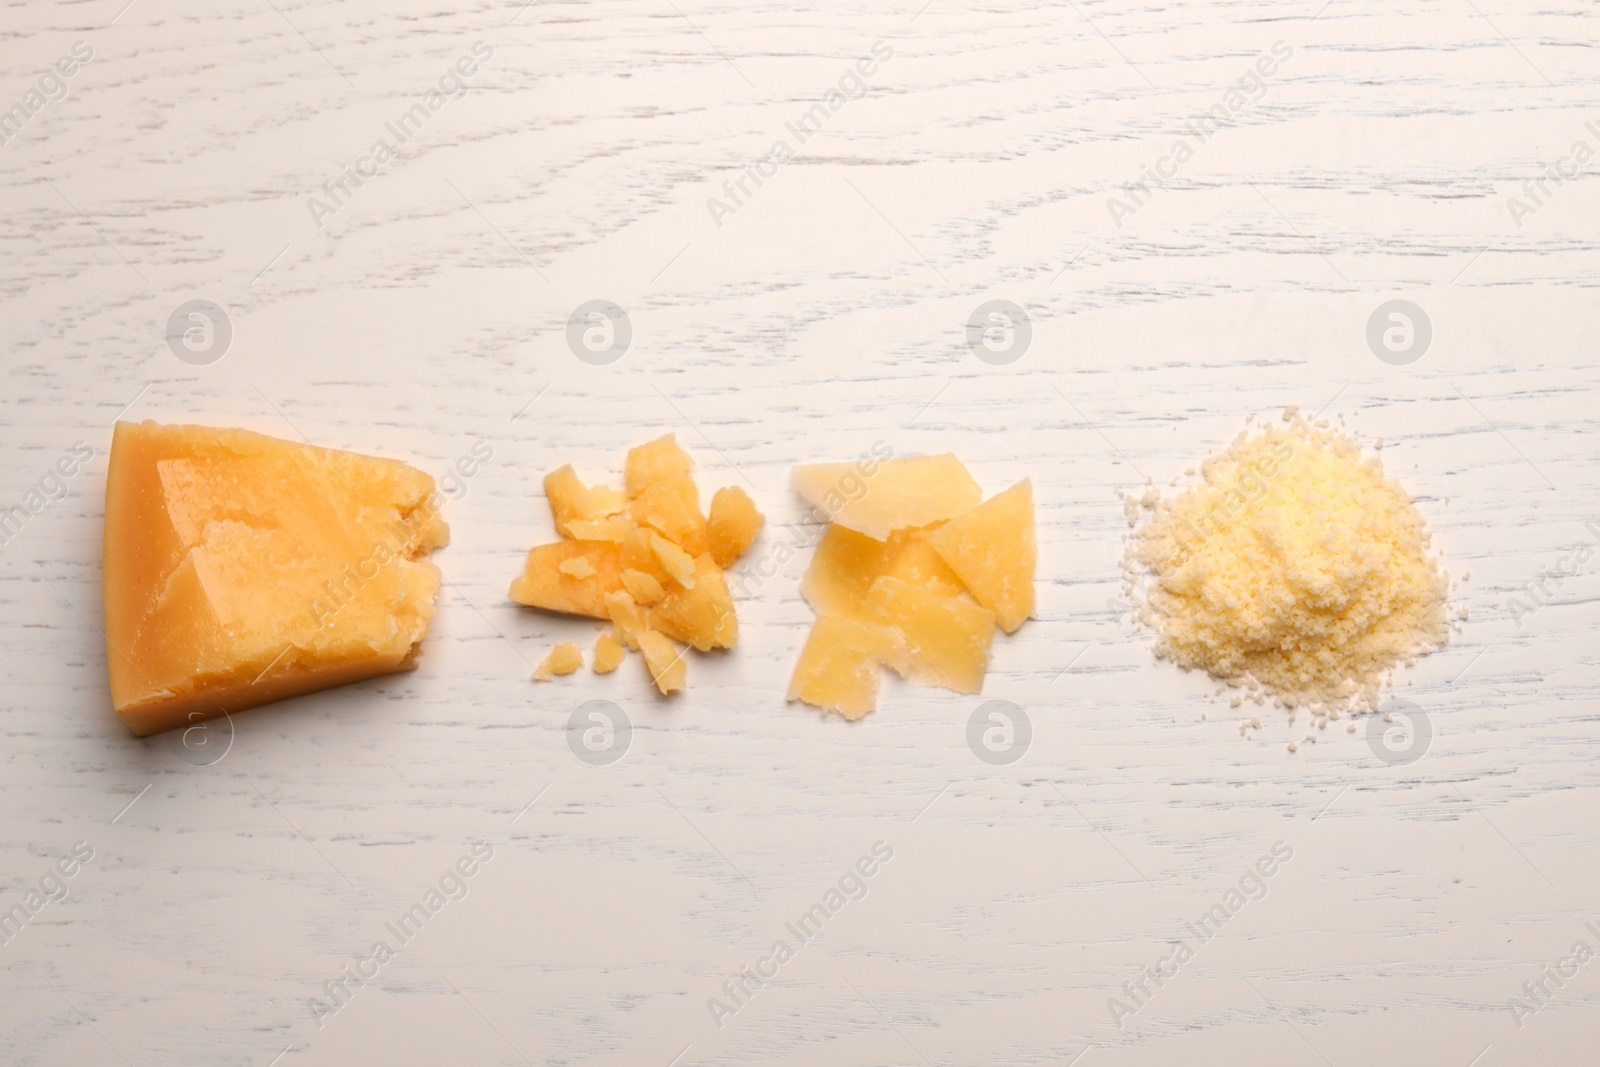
(1294, 570)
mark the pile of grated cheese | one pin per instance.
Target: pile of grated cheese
(1294, 569)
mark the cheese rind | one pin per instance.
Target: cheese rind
(241, 569)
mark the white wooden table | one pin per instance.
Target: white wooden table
(821, 310)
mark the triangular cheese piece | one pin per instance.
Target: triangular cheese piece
(991, 549)
(241, 569)
(881, 497)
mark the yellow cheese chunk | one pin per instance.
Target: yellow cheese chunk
(241, 569)
(702, 613)
(991, 548)
(571, 501)
(838, 668)
(638, 554)
(665, 661)
(545, 584)
(628, 618)
(565, 658)
(732, 525)
(608, 653)
(662, 495)
(674, 560)
(577, 567)
(654, 461)
(949, 636)
(642, 587)
(900, 492)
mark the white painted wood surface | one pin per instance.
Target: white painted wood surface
(827, 312)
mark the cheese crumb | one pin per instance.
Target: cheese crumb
(608, 653)
(563, 659)
(1295, 568)
(577, 567)
(732, 525)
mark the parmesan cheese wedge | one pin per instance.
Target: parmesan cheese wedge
(241, 569)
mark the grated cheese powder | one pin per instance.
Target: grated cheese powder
(1294, 569)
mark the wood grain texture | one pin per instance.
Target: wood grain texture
(825, 313)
